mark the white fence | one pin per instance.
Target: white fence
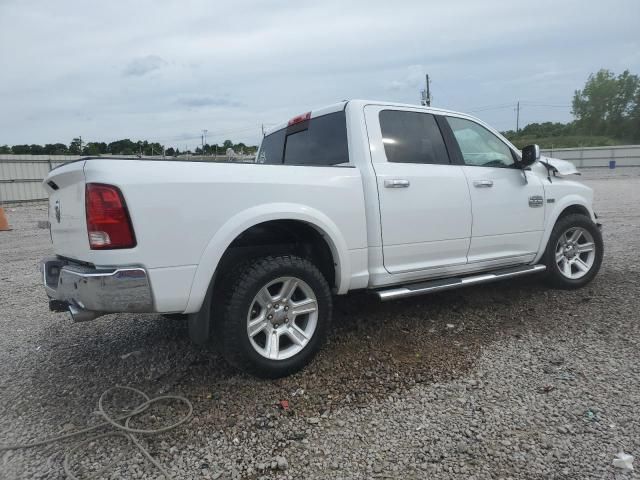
(623, 155)
(21, 175)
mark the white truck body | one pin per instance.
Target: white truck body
(386, 223)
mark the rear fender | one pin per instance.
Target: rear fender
(248, 218)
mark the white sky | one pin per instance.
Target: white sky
(164, 70)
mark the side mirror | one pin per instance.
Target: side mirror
(530, 154)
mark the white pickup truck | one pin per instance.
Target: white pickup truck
(397, 199)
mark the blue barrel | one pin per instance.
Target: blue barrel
(612, 164)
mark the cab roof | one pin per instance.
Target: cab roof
(336, 107)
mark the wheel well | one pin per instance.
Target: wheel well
(574, 209)
(280, 237)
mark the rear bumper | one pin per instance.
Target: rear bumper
(89, 292)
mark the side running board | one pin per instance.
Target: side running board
(456, 282)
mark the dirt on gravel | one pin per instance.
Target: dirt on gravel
(510, 379)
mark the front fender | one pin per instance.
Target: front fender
(552, 215)
(250, 217)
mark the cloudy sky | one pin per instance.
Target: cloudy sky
(164, 70)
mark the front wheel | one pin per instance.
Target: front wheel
(574, 252)
(276, 316)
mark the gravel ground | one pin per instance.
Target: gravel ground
(509, 380)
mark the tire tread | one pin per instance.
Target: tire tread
(238, 286)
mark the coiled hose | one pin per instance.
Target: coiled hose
(120, 430)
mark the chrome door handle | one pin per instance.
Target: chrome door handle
(396, 183)
(483, 183)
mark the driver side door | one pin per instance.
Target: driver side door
(507, 208)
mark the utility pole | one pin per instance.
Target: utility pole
(426, 94)
(518, 116)
(263, 129)
(204, 139)
(80, 152)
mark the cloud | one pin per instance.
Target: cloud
(414, 78)
(185, 69)
(142, 65)
(207, 101)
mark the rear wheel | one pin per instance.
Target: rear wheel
(276, 315)
(574, 252)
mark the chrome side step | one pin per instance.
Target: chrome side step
(456, 282)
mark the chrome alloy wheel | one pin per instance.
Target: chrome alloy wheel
(282, 318)
(575, 253)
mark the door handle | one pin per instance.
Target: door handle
(483, 183)
(396, 183)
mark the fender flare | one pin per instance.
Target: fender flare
(250, 217)
(554, 214)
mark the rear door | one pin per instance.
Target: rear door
(508, 209)
(425, 207)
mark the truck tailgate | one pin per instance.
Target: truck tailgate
(66, 188)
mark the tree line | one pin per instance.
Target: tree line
(606, 112)
(123, 147)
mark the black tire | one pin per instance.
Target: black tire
(554, 275)
(242, 287)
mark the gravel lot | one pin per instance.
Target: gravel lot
(509, 380)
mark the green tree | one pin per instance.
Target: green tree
(36, 149)
(5, 149)
(605, 105)
(56, 149)
(21, 149)
(94, 148)
(75, 147)
(122, 147)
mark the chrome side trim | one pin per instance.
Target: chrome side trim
(456, 282)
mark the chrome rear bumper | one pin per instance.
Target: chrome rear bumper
(89, 292)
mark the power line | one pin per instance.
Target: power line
(546, 105)
(491, 107)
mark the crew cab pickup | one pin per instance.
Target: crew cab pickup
(396, 199)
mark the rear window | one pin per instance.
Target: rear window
(412, 137)
(318, 141)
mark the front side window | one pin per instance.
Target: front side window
(412, 137)
(480, 147)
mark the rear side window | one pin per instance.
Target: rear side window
(318, 141)
(412, 137)
(272, 148)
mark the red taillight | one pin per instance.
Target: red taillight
(108, 222)
(300, 118)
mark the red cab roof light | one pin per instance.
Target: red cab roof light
(108, 223)
(303, 117)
